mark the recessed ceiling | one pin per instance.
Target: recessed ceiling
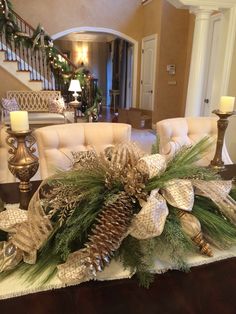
(88, 37)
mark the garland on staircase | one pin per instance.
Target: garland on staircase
(39, 40)
(122, 205)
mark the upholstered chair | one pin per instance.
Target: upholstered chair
(56, 143)
(177, 132)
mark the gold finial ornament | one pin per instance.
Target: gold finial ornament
(192, 227)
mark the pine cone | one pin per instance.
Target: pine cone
(106, 237)
(111, 229)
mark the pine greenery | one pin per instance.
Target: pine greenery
(182, 165)
(89, 193)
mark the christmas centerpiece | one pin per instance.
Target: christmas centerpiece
(122, 205)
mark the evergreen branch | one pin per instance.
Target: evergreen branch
(220, 231)
(155, 146)
(190, 155)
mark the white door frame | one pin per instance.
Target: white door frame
(114, 32)
(150, 37)
(213, 92)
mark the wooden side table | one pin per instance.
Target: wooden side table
(75, 105)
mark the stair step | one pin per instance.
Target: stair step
(10, 61)
(23, 71)
(35, 80)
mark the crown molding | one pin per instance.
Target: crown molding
(185, 4)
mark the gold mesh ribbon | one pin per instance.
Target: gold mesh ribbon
(30, 235)
(75, 269)
(152, 165)
(218, 191)
(150, 221)
(179, 193)
(28, 231)
(10, 217)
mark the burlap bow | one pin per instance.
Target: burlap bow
(150, 221)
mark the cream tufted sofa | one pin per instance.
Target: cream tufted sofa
(177, 132)
(36, 103)
(56, 143)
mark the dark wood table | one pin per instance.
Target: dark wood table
(204, 290)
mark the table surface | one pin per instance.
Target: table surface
(205, 289)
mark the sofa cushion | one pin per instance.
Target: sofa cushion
(42, 118)
(57, 105)
(10, 104)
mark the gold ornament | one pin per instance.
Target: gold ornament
(10, 256)
(192, 227)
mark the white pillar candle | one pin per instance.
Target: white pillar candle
(226, 104)
(19, 121)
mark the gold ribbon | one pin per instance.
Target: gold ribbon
(150, 221)
(218, 191)
(27, 230)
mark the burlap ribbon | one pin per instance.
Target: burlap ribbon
(150, 221)
(27, 232)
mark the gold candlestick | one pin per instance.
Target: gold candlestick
(222, 124)
(23, 164)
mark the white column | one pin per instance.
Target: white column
(198, 61)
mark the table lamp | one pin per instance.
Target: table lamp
(75, 87)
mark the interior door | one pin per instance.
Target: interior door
(210, 95)
(148, 72)
(129, 86)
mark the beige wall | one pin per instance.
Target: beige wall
(9, 82)
(134, 20)
(173, 49)
(231, 130)
(59, 15)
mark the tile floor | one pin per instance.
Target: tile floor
(144, 138)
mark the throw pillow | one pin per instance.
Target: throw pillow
(57, 105)
(80, 159)
(10, 104)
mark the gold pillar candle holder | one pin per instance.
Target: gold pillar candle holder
(23, 164)
(217, 162)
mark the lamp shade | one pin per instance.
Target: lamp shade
(75, 86)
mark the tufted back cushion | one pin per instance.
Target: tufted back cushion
(56, 143)
(33, 101)
(177, 132)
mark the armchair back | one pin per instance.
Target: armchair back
(56, 142)
(177, 132)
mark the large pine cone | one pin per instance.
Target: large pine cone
(106, 237)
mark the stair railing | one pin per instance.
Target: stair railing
(36, 62)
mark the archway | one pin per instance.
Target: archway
(116, 33)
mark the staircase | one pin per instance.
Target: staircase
(32, 67)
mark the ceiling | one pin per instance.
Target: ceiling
(88, 37)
